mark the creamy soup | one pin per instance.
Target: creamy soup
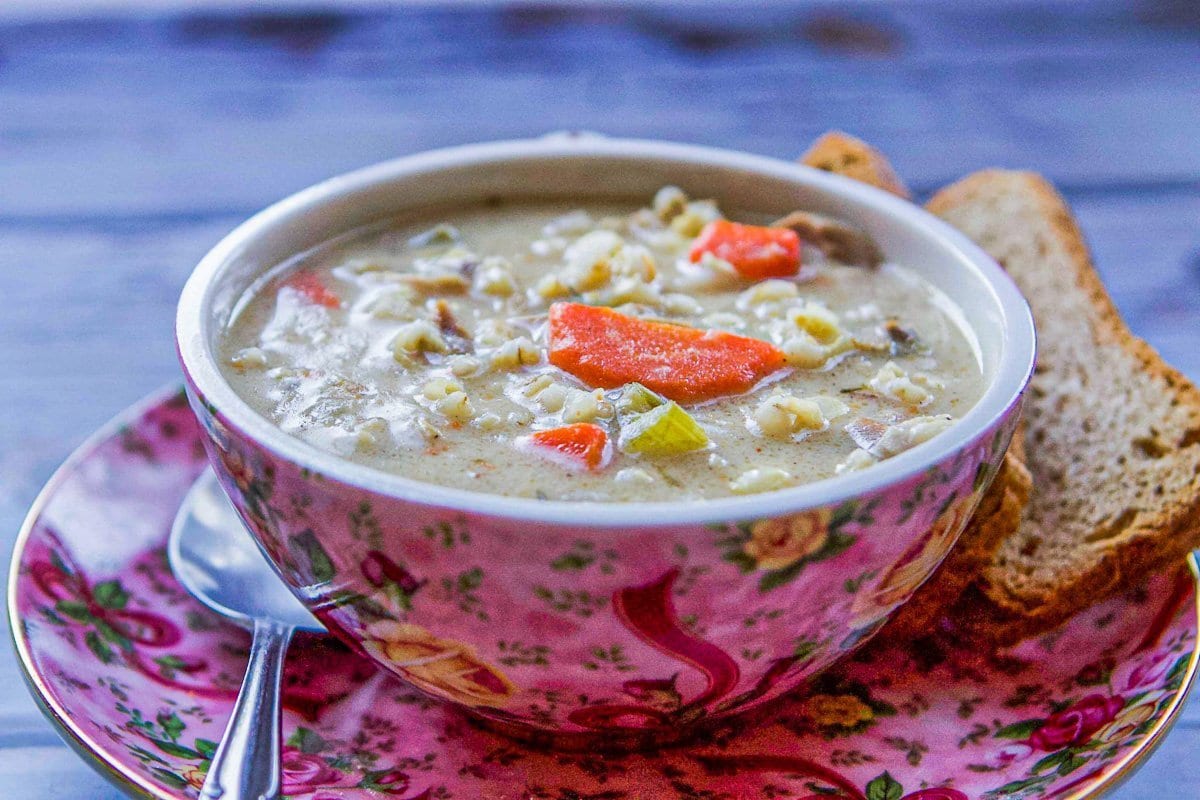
(606, 352)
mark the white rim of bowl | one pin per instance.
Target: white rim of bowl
(193, 322)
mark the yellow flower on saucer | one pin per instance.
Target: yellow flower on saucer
(837, 710)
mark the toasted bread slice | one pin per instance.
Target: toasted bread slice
(1112, 431)
(1000, 508)
(846, 155)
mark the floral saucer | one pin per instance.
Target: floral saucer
(140, 679)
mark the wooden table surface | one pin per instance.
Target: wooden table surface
(130, 143)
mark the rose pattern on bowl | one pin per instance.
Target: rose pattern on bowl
(144, 679)
(734, 615)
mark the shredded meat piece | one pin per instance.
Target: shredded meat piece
(865, 432)
(450, 283)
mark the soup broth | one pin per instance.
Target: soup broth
(605, 353)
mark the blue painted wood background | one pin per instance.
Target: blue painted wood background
(130, 143)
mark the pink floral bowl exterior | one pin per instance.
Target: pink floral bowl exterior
(613, 625)
(141, 679)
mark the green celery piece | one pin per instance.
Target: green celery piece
(666, 430)
(637, 399)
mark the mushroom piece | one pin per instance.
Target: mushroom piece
(838, 240)
(457, 338)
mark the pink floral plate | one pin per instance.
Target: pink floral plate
(140, 679)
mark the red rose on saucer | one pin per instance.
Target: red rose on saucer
(305, 771)
(1076, 724)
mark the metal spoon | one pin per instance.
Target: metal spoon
(215, 559)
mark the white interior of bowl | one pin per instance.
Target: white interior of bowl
(595, 167)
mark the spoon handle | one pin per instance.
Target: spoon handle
(245, 765)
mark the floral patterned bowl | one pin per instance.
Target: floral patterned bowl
(588, 624)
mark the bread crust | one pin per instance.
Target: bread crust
(1002, 606)
(851, 157)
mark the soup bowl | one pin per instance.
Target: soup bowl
(585, 623)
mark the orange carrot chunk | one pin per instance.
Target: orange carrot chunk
(754, 251)
(582, 443)
(607, 349)
(310, 286)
